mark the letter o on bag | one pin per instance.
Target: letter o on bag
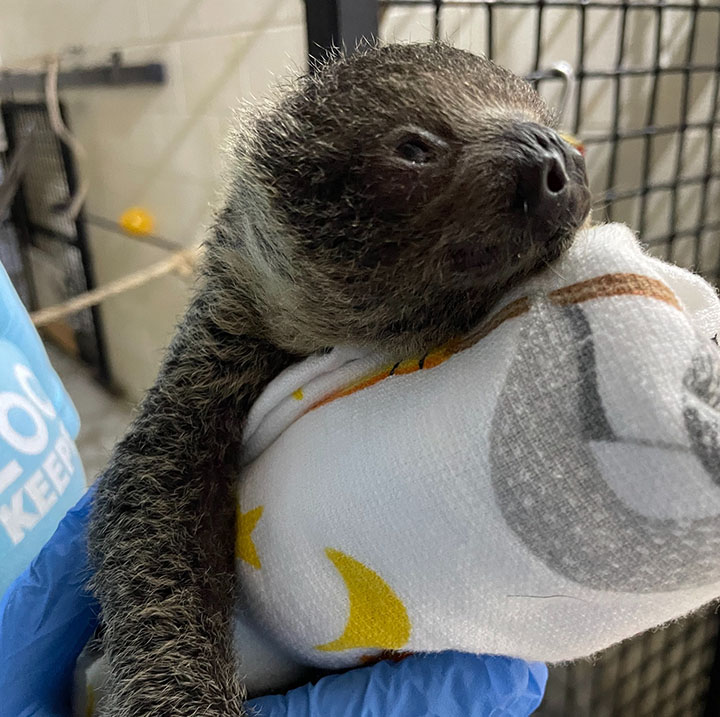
(32, 444)
(25, 377)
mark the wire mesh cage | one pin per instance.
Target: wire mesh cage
(14, 258)
(45, 252)
(638, 83)
(662, 673)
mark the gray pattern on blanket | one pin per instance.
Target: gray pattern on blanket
(549, 484)
(702, 408)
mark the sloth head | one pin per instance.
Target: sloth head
(391, 197)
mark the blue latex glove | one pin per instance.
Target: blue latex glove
(46, 617)
(445, 684)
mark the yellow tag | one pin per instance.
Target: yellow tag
(137, 220)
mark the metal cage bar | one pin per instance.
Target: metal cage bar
(49, 180)
(339, 24)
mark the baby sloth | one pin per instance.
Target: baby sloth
(386, 201)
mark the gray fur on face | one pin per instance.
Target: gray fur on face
(350, 243)
(374, 204)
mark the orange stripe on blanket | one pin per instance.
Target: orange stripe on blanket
(434, 357)
(600, 287)
(353, 388)
(614, 285)
(511, 311)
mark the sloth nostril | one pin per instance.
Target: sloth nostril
(556, 179)
(543, 187)
(546, 174)
(542, 176)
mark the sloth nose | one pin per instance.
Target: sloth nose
(544, 184)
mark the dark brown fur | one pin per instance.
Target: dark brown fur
(327, 235)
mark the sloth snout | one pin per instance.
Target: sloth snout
(543, 185)
(551, 179)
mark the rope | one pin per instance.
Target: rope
(182, 262)
(64, 134)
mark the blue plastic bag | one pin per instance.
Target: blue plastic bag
(41, 475)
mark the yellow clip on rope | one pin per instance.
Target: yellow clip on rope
(137, 220)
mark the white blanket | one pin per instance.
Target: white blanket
(542, 489)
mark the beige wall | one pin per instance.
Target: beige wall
(158, 147)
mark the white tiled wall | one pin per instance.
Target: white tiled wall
(156, 146)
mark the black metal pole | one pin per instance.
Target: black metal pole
(105, 75)
(339, 24)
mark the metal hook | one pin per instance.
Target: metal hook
(564, 71)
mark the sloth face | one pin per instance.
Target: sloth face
(415, 184)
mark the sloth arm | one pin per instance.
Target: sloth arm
(162, 531)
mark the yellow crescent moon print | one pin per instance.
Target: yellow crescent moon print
(244, 545)
(378, 618)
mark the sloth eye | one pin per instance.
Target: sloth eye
(419, 147)
(415, 151)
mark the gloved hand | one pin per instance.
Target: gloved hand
(46, 617)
